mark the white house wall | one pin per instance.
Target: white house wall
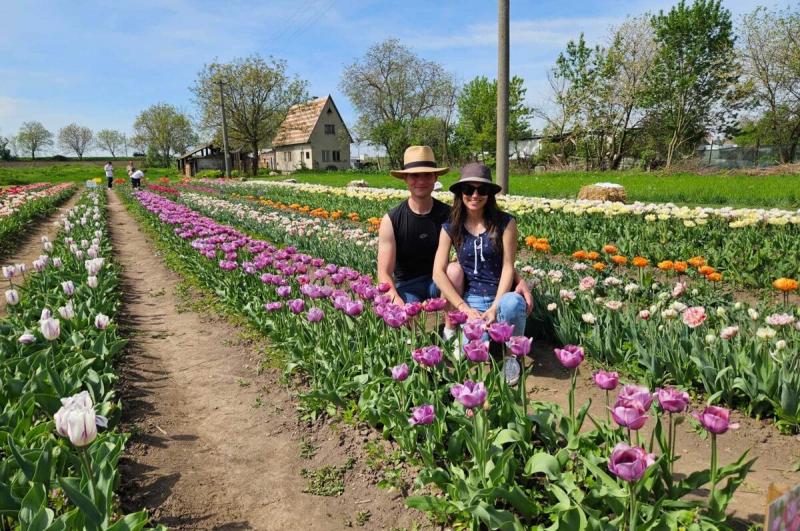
(339, 141)
(298, 154)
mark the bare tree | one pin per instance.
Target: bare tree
(111, 140)
(33, 137)
(75, 138)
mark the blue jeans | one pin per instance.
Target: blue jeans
(417, 289)
(510, 310)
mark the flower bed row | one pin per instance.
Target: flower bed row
(496, 460)
(59, 343)
(19, 205)
(743, 356)
(749, 247)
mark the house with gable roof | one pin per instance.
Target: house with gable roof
(313, 135)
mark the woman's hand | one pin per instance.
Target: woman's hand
(471, 312)
(490, 315)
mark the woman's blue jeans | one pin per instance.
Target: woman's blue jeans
(510, 310)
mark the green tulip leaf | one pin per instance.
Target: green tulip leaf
(72, 489)
(543, 463)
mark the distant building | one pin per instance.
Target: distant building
(210, 157)
(313, 136)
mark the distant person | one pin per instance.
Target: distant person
(136, 178)
(130, 168)
(109, 169)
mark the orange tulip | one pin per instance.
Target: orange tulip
(666, 265)
(785, 284)
(640, 261)
(598, 266)
(680, 267)
(592, 255)
(705, 270)
(697, 261)
(619, 259)
(714, 277)
(610, 249)
(579, 255)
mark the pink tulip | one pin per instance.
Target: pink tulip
(570, 356)
(672, 400)
(629, 414)
(457, 318)
(500, 332)
(474, 329)
(477, 351)
(273, 306)
(412, 308)
(296, 306)
(434, 305)
(636, 392)
(429, 356)
(422, 415)
(519, 345)
(715, 419)
(629, 463)
(400, 373)
(353, 308)
(607, 380)
(470, 394)
(283, 291)
(315, 315)
(383, 287)
(694, 316)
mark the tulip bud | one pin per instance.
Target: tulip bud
(12, 297)
(50, 328)
(91, 281)
(101, 321)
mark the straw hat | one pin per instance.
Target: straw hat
(419, 159)
(475, 172)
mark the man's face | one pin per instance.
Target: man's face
(420, 184)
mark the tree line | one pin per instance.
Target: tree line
(656, 87)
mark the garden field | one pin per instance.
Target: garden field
(231, 362)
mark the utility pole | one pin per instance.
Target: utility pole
(224, 129)
(502, 93)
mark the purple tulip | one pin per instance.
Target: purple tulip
(315, 315)
(629, 414)
(470, 394)
(273, 306)
(383, 287)
(27, 338)
(637, 392)
(474, 329)
(434, 305)
(412, 308)
(500, 332)
(422, 415)
(519, 345)
(428, 356)
(68, 287)
(394, 316)
(629, 463)
(672, 400)
(715, 419)
(283, 291)
(570, 356)
(457, 318)
(477, 351)
(353, 308)
(400, 373)
(607, 380)
(296, 306)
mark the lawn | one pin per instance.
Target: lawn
(31, 172)
(782, 191)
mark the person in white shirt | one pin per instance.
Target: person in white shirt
(109, 169)
(136, 178)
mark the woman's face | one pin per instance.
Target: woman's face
(474, 196)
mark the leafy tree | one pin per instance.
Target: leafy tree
(33, 137)
(75, 138)
(5, 151)
(689, 89)
(258, 94)
(161, 127)
(477, 112)
(391, 88)
(111, 140)
(771, 75)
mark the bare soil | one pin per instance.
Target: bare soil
(29, 246)
(777, 454)
(216, 442)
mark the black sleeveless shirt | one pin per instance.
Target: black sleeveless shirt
(416, 239)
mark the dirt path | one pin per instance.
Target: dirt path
(777, 454)
(215, 445)
(30, 246)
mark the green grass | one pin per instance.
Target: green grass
(27, 172)
(681, 188)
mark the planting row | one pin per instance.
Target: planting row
(19, 205)
(495, 459)
(746, 246)
(58, 451)
(661, 329)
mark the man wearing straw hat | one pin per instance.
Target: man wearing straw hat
(409, 234)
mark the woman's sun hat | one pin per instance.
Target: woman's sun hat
(475, 172)
(419, 159)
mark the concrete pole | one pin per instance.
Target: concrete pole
(225, 130)
(502, 93)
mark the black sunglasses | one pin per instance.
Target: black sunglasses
(482, 190)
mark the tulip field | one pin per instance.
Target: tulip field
(680, 314)
(19, 205)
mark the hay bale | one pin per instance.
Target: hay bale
(603, 192)
(361, 183)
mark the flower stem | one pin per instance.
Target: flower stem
(87, 463)
(572, 399)
(632, 489)
(713, 464)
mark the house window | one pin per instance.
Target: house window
(308, 154)
(287, 156)
(330, 129)
(326, 155)
(336, 156)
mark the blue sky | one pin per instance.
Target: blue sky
(99, 63)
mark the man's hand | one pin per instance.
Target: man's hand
(523, 289)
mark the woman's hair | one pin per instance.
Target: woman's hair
(492, 217)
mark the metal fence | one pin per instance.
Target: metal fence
(740, 157)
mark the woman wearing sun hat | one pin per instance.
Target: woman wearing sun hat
(485, 240)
